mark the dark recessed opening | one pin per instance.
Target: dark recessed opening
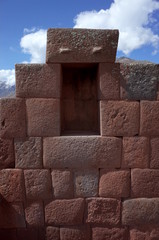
(79, 99)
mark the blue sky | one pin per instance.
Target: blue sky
(23, 26)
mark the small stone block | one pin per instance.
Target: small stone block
(114, 184)
(72, 233)
(101, 233)
(12, 185)
(119, 118)
(140, 211)
(145, 183)
(28, 153)
(144, 233)
(12, 118)
(149, 120)
(62, 182)
(109, 80)
(38, 184)
(86, 183)
(52, 233)
(82, 152)
(64, 212)
(34, 214)
(81, 45)
(135, 152)
(38, 80)
(6, 153)
(43, 117)
(103, 211)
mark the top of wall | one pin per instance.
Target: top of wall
(81, 45)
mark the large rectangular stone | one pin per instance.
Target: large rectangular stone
(109, 80)
(81, 45)
(119, 118)
(82, 152)
(43, 117)
(12, 118)
(65, 212)
(140, 211)
(38, 80)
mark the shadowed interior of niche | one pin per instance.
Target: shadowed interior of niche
(79, 105)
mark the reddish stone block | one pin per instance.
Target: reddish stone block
(99, 233)
(103, 211)
(28, 153)
(81, 45)
(144, 183)
(72, 233)
(38, 80)
(115, 184)
(154, 159)
(12, 118)
(8, 234)
(149, 119)
(119, 118)
(135, 152)
(109, 80)
(11, 215)
(43, 117)
(86, 183)
(82, 152)
(140, 211)
(144, 234)
(38, 184)
(27, 233)
(52, 233)
(34, 214)
(6, 153)
(12, 185)
(64, 212)
(62, 182)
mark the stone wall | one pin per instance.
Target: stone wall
(79, 146)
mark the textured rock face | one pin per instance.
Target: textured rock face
(79, 145)
(81, 45)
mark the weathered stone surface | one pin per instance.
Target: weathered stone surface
(103, 211)
(99, 233)
(38, 184)
(109, 80)
(140, 211)
(82, 152)
(144, 183)
(154, 159)
(11, 215)
(12, 118)
(81, 45)
(12, 185)
(38, 80)
(135, 152)
(52, 233)
(149, 119)
(139, 81)
(64, 212)
(72, 233)
(6, 153)
(34, 214)
(86, 183)
(119, 118)
(28, 153)
(62, 182)
(43, 117)
(115, 184)
(144, 234)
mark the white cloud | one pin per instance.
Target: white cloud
(7, 77)
(34, 43)
(132, 18)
